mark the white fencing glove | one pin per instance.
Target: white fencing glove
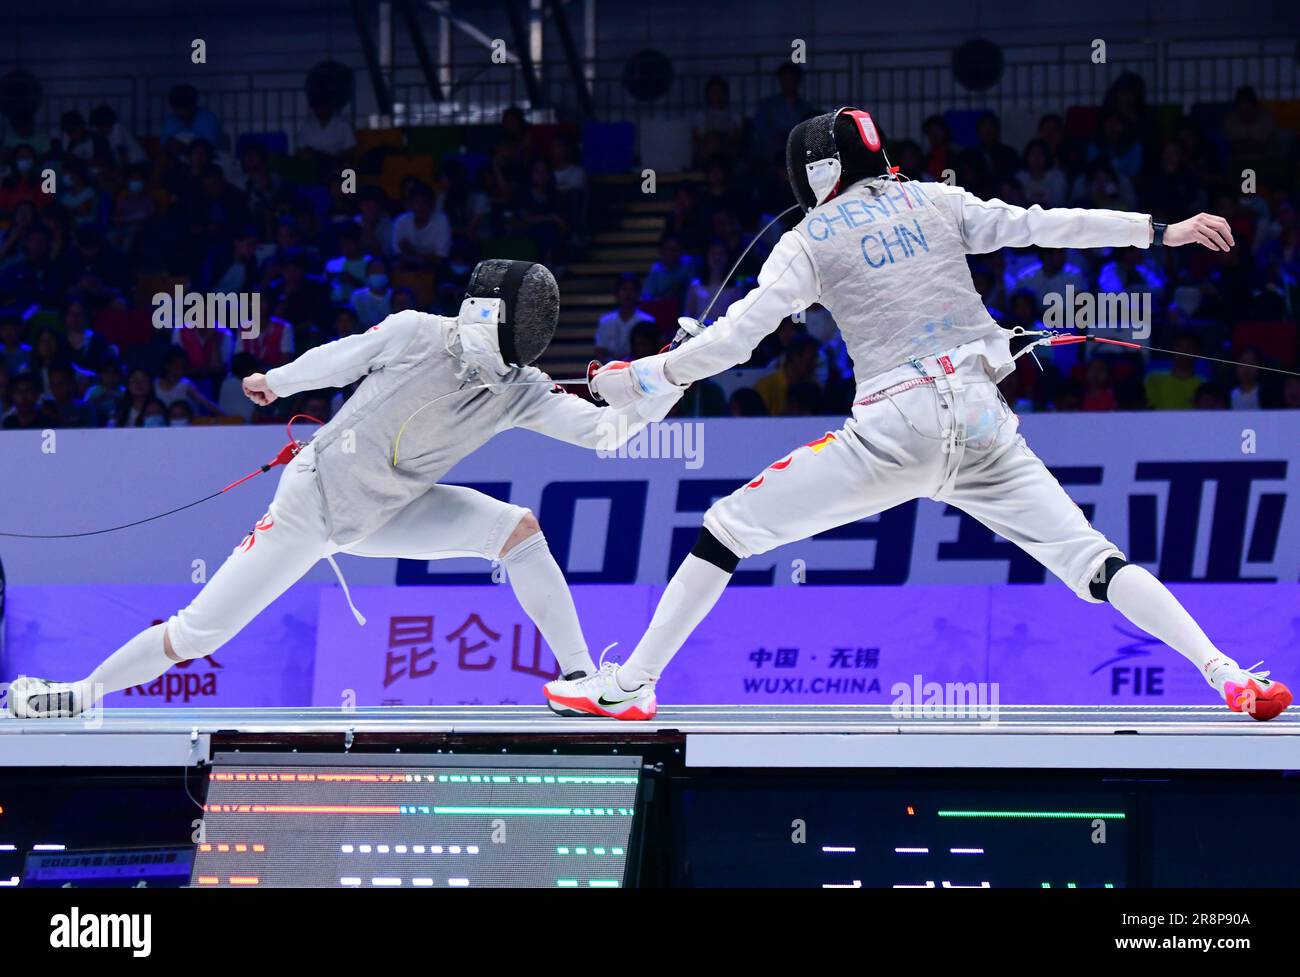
(621, 383)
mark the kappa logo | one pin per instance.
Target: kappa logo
(265, 523)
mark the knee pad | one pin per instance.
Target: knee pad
(711, 550)
(521, 550)
(187, 646)
(1100, 583)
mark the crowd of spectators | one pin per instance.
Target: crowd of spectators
(95, 220)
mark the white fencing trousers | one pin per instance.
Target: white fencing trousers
(950, 438)
(447, 521)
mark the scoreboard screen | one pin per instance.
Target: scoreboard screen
(407, 821)
(850, 835)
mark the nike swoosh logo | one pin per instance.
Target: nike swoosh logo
(602, 701)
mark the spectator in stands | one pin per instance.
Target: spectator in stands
(375, 223)
(745, 402)
(48, 349)
(404, 299)
(63, 401)
(374, 303)
(22, 130)
(804, 399)
(217, 208)
(133, 209)
(78, 195)
(1051, 273)
(1175, 388)
(540, 214)
(24, 183)
(1118, 146)
(262, 188)
(613, 339)
(98, 272)
(27, 412)
(1210, 396)
(23, 216)
(984, 167)
(1246, 395)
(230, 398)
(798, 364)
(77, 141)
(1041, 181)
(939, 155)
(174, 385)
(16, 355)
(346, 272)
(1248, 127)
(1291, 393)
(138, 392)
(718, 194)
(685, 220)
(1098, 394)
(570, 174)
(103, 396)
(717, 262)
(317, 404)
(672, 274)
(346, 322)
(188, 121)
(727, 228)
(272, 343)
(86, 350)
(1170, 190)
(1100, 187)
(421, 236)
(154, 414)
(717, 127)
(207, 350)
(300, 297)
(232, 265)
(325, 132)
(122, 145)
(180, 414)
(778, 114)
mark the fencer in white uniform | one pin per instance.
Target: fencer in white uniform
(888, 259)
(435, 388)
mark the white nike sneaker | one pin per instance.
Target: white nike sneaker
(35, 698)
(600, 695)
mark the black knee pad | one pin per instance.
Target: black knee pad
(711, 550)
(1101, 582)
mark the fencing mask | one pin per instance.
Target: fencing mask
(521, 297)
(829, 152)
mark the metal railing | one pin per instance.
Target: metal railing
(901, 87)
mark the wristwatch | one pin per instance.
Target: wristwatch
(1157, 234)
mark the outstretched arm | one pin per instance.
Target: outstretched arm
(787, 284)
(338, 363)
(987, 225)
(558, 414)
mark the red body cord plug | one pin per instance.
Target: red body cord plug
(285, 455)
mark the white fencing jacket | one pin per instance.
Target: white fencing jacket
(889, 262)
(412, 361)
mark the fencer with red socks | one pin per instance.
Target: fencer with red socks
(887, 258)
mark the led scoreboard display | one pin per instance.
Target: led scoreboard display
(409, 821)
